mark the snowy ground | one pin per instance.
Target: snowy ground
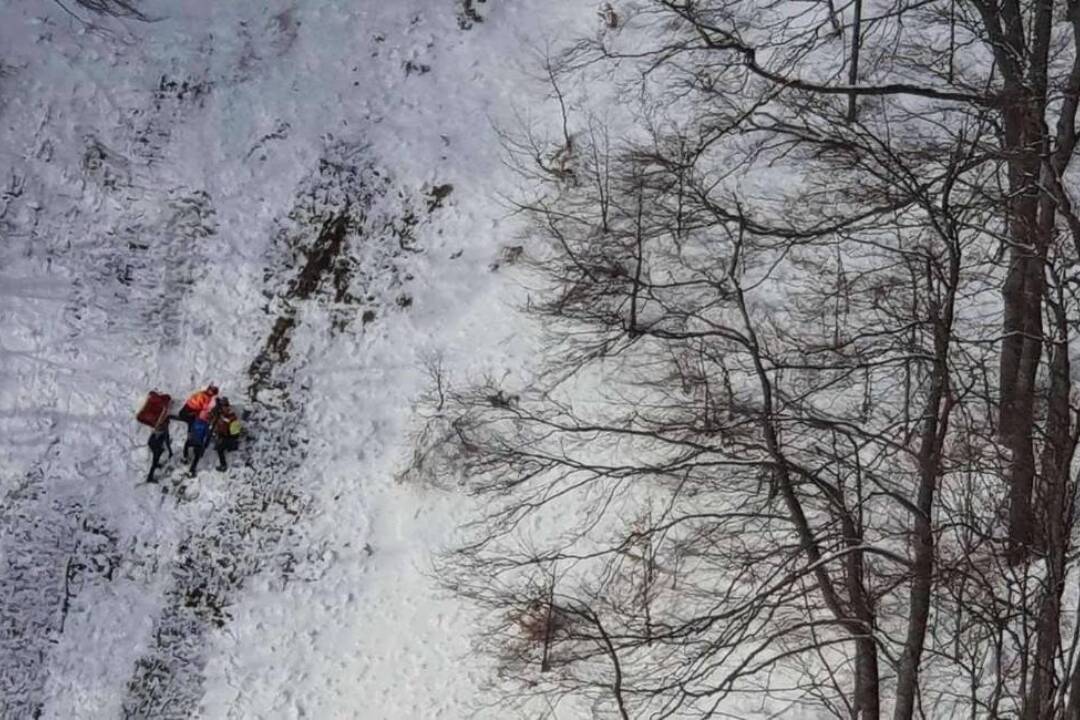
(167, 206)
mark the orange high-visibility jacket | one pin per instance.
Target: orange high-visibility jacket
(199, 402)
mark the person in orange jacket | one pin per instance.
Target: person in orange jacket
(198, 403)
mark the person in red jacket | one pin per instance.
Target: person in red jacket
(159, 442)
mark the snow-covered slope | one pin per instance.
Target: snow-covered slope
(297, 201)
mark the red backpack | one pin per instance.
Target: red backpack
(154, 409)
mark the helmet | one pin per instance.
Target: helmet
(212, 389)
(223, 401)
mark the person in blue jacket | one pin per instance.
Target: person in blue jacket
(197, 439)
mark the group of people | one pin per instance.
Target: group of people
(209, 418)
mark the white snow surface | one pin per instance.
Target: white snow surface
(161, 185)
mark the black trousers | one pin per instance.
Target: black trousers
(223, 445)
(158, 447)
(198, 449)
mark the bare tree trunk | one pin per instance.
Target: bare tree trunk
(853, 70)
(1023, 69)
(1020, 356)
(1022, 297)
(935, 427)
(1056, 522)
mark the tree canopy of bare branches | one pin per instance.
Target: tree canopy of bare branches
(804, 437)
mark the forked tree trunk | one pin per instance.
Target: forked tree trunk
(1023, 296)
